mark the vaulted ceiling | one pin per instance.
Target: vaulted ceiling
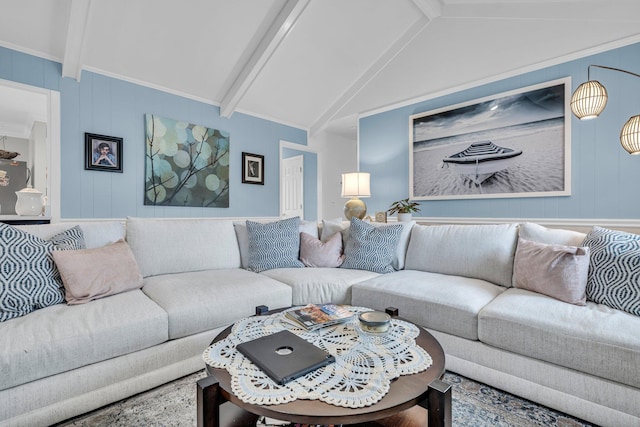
(314, 64)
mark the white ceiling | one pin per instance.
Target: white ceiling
(314, 64)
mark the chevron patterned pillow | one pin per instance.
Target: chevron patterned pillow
(614, 269)
(274, 244)
(29, 279)
(371, 248)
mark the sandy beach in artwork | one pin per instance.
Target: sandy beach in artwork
(539, 169)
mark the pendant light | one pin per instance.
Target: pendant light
(590, 99)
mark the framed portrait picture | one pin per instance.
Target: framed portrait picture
(102, 153)
(252, 169)
(513, 144)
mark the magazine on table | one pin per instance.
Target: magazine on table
(314, 316)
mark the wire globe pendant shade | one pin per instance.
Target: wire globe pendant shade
(630, 135)
(589, 100)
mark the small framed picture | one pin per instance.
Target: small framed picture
(102, 153)
(252, 169)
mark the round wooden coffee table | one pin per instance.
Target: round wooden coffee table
(424, 389)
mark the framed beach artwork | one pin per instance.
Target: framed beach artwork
(514, 144)
(186, 164)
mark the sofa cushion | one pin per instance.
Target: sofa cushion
(437, 301)
(203, 300)
(558, 271)
(594, 339)
(88, 274)
(315, 253)
(320, 285)
(309, 227)
(478, 251)
(274, 244)
(61, 337)
(163, 246)
(371, 248)
(332, 226)
(614, 270)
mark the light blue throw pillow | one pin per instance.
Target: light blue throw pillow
(614, 269)
(274, 244)
(371, 248)
(29, 279)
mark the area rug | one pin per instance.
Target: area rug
(474, 405)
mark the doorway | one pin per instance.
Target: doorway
(32, 114)
(310, 183)
(292, 192)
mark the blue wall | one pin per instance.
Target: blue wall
(108, 106)
(604, 177)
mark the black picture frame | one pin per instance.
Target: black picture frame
(252, 169)
(92, 144)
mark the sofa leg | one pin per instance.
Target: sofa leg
(209, 401)
(438, 404)
(261, 309)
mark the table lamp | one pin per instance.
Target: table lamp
(355, 185)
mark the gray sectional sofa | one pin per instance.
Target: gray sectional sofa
(456, 281)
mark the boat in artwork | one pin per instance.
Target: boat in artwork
(481, 160)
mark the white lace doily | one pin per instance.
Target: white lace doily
(360, 376)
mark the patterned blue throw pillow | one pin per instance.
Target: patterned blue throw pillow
(614, 269)
(71, 239)
(29, 279)
(274, 245)
(371, 248)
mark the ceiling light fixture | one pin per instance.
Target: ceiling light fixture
(590, 99)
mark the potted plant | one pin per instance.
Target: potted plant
(404, 208)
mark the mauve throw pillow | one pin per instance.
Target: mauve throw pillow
(89, 274)
(315, 253)
(558, 271)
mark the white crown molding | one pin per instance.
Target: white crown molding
(31, 52)
(550, 222)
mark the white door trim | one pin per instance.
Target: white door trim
(286, 144)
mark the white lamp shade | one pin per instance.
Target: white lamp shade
(589, 100)
(356, 184)
(630, 135)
